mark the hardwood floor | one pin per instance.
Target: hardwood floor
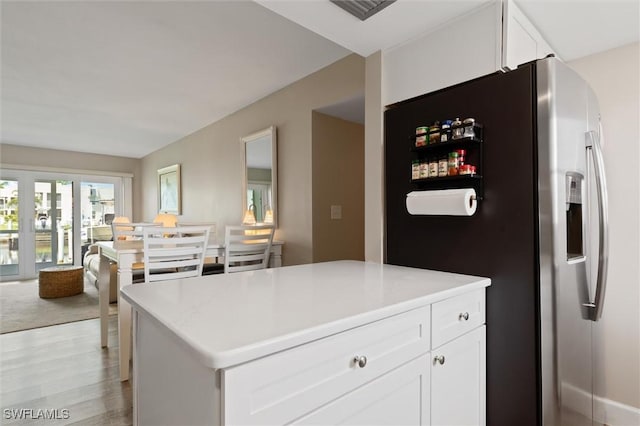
(63, 368)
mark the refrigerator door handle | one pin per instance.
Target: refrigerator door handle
(593, 144)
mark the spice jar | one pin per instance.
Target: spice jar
(461, 155)
(445, 131)
(442, 166)
(467, 169)
(422, 130)
(433, 167)
(421, 140)
(453, 164)
(415, 170)
(424, 169)
(434, 133)
(456, 129)
(468, 128)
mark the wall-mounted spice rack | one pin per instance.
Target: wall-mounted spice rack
(471, 148)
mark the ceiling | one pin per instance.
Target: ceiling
(127, 78)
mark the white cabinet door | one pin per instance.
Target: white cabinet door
(458, 381)
(399, 397)
(521, 41)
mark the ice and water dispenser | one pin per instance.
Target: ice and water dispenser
(575, 245)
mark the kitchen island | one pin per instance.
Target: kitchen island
(325, 343)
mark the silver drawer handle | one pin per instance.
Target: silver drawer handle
(463, 316)
(439, 359)
(360, 361)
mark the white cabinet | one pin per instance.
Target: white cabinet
(283, 387)
(495, 36)
(521, 41)
(464, 48)
(360, 353)
(324, 382)
(458, 360)
(458, 381)
(397, 398)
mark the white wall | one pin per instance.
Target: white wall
(614, 76)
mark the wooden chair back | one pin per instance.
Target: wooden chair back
(174, 253)
(247, 248)
(211, 265)
(211, 225)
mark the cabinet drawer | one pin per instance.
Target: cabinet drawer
(399, 397)
(283, 387)
(453, 317)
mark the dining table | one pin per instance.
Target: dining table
(128, 255)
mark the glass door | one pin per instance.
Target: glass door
(9, 228)
(53, 222)
(49, 219)
(98, 207)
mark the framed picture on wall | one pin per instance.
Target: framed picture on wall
(169, 190)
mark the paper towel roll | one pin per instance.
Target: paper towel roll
(446, 202)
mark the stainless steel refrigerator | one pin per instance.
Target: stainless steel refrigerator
(539, 231)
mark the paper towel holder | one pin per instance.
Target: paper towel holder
(477, 198)
(442, 202)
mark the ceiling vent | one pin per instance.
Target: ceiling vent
(362, 9)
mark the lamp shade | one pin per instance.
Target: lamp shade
(249, 218)
(167, 220)
(121, 219)
(268, 217)
(116, 225)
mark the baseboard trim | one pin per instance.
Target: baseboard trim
(605, 411)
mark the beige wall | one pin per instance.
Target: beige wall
(210, 157)
(337, 179)
(73, 161)
(614, 75)
(41, 157)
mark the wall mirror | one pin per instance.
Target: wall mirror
(260, 176)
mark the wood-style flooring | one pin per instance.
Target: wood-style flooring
(63, 367)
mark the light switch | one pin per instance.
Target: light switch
(336, 212)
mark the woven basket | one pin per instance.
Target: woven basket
(60, 281)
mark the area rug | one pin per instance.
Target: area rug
(22, 309)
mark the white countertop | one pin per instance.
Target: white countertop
(230, 319)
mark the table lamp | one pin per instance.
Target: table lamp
(167, 220)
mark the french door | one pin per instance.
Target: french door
(49, 219)
(53, 222)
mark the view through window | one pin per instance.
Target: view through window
(42, 222)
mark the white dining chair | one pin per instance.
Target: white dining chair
(131, 231)
(174, 253)
(247, 248)
(211, 265)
